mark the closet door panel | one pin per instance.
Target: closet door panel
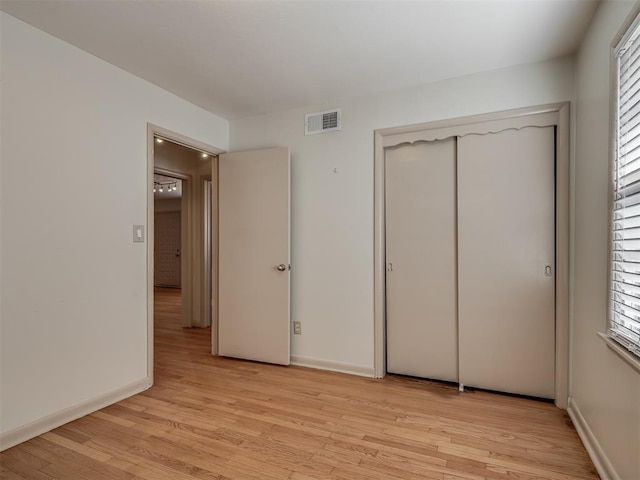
(421, 260)
(506, 261)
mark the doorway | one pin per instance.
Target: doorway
(179, 232)
(246, 197)
(167, 192)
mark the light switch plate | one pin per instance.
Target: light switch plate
(138, 233)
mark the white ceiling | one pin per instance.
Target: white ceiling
(242, 58)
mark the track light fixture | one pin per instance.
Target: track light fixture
(165, 186)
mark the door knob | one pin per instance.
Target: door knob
(282, 267)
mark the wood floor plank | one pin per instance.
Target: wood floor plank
(225, 419)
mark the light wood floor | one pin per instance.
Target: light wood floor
(216, 418)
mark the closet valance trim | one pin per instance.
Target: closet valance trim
(422, 134)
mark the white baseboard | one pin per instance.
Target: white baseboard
(38, 427)
(332, 366)
(598, 456)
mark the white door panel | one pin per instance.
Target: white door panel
(166, 251)
(421, 260)
(253, 301)
(506, 240)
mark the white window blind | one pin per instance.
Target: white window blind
(624, 315)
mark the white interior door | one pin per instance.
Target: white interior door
(253, 255)
(421, 260)
(167, 235)
(506, 261)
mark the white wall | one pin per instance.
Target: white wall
(332, 213)
(74, 181)
(604, 388)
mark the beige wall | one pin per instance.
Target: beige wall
(605, 389)
(74, 181)
(332, 211)
(167, 205)
(58, 350)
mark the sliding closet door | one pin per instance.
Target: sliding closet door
(506, 260)
(421, 260)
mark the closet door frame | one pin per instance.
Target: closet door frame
(556, 115)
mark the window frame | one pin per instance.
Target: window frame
(621, 348)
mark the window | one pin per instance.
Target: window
(624, 312)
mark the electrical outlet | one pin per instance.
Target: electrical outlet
(297, 328)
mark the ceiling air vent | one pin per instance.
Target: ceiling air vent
(322, 122)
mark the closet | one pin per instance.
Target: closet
(421, 253)
(470, 255)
